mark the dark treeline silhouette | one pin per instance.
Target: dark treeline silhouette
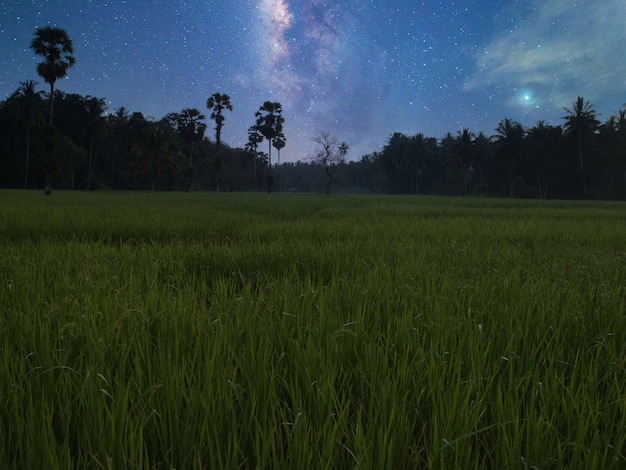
(85, 148)
(583, 158)
(120, 150)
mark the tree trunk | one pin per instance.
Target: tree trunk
(278, 171)
(329, 182)
(51, 101)
(270, 180)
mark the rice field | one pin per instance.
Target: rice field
(214, 330)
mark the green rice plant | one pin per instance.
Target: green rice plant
(285, 331)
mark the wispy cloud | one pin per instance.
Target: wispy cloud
(563, 48)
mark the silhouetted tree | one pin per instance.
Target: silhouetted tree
(55, 47)
(543, 150)
(581, 124)
(510, 144)
(156, 151)
(70, 157)
(270, 124)
(330, 153)
(422, 150)
(190, 126)
(217, 103)
(27, 106)
(50, 138)
(252, 146)
(279, 143)
(95, 129)
(463, 153)
(612, 140)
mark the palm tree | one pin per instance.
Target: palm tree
(510, 141)
(217, 103)
(611, 142)
(422, 149)
(190, 126)
(279, 143)
(464, 153)
(119, 139)
(55, 46)
(95, 129)
(254, 139)
(270, 124)
(156, 151)
(581, 123)
(28, 112)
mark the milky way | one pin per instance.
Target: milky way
(360, 69)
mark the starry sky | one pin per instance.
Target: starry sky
(358, 69)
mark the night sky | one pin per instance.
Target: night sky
(359, 69)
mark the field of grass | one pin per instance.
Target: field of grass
(200, 330)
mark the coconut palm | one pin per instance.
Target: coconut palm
(422, 150)
(510, 141)
(611, 142)
(463, 152)
(581, 124)
(55, 47)
(28, 112)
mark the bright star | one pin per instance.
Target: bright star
(526, 98)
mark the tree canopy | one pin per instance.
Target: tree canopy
(56, 49)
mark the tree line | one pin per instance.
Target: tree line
(69, 141)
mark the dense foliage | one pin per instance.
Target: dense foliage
(91, 149)
(123, 150)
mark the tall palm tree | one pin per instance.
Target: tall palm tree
(217, 103)
(510, 141)
(422, 149)
(28, 112)
(270, 124)
(190, 127)
(95, 129)
(581, 123)
(279, 143)
(119, 139)
(254, 139)
(55, 47)
(611, 142)
(464, 153)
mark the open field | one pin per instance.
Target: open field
(301, 331)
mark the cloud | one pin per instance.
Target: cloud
(563, 48)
